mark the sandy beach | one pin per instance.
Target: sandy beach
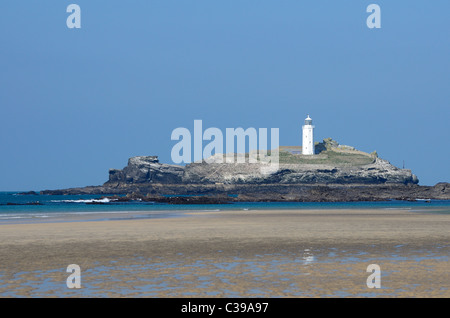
(260, 253)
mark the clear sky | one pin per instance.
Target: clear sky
(77, 102)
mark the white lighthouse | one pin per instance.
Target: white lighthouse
(308, 139)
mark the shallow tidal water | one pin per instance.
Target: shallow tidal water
(329, 272)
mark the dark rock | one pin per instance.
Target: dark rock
(146, 170)
(28, 193)
(214, 199)
(28, 203)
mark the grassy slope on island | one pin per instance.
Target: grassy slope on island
(328, 157)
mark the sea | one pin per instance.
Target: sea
(18, 208)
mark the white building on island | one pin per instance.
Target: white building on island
(308, 137)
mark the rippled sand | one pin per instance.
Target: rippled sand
(286, 253)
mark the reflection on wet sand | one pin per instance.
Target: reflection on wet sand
(232, 254)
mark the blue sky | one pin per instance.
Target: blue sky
(75, 103)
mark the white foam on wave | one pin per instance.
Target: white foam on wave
(104, 200)
(12, 217)
(22, 216)
(399, 208)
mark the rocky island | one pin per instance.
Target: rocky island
(334, 173)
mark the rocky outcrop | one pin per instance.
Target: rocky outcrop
(332, 164)
(213, 193)
(149, 170)
(146, 170)
(378, 172)
(337, 173)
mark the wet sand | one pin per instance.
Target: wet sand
(285, 253)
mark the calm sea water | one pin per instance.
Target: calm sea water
(62, 208)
